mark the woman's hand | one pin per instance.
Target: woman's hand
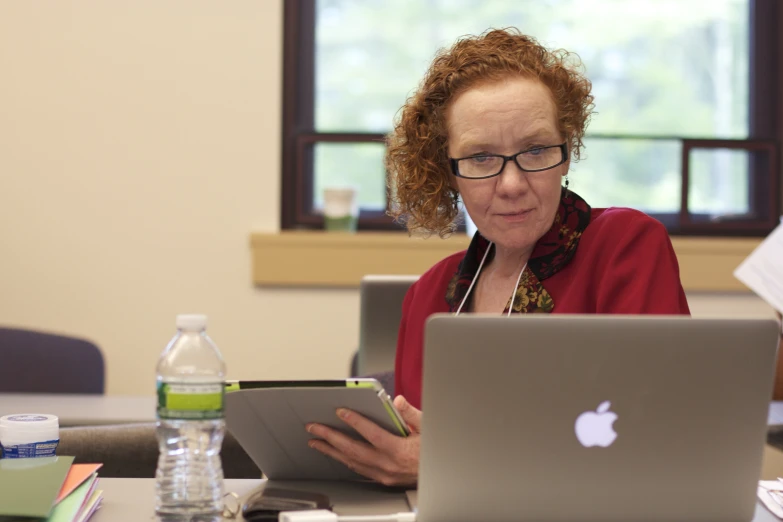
(385, 458)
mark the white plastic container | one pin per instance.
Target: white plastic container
(27, 435)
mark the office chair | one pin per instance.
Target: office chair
(39, 362)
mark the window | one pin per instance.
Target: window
(687, 124)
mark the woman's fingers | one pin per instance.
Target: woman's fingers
(357, 467)
(372, 433)
(381, 456)
(410, 415)
(351, 448)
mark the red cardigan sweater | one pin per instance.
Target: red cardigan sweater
(624, 264)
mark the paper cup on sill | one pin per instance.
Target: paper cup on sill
(341, 209)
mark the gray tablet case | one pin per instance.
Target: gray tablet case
(269, 423)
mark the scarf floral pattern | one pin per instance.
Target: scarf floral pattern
(551, 254)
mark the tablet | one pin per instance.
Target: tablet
(268, 420)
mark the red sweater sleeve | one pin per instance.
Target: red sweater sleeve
(425, 297)
(641, 274)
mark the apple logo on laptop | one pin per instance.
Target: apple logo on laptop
(594, 428)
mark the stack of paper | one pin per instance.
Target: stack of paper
(79, 495)
(49, 488)
(770, 492)
(762, 271)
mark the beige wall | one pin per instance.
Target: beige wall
(724, 305)
(139, 147)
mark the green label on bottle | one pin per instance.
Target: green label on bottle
(190, 401)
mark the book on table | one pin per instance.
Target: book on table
(48, 488)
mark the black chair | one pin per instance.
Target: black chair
(39, 362)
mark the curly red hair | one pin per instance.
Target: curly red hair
(420, 181)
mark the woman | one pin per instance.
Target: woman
(496, 122)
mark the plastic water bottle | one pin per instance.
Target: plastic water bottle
(190, 428)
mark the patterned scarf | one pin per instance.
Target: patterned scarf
(551, 254)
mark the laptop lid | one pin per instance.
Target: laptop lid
(593, 417)
(380, 313)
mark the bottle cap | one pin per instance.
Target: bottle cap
(29, 421)
(192, 322)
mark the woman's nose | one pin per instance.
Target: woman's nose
(512, 180)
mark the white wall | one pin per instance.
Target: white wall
(139, 147)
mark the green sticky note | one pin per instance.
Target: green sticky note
(29, 487)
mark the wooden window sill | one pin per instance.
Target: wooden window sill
(321, 259)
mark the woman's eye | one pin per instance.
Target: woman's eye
(535, 152)
(480, 159)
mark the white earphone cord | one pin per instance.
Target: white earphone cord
(475, 278)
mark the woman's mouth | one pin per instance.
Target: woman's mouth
(516, 217)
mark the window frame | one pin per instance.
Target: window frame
(765, 112)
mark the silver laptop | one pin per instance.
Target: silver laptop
(381, 299)
(611, 418)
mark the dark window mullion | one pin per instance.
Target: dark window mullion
(764, 108)
(763, 92)
(298, 104)
(763, 203)
(341, 137)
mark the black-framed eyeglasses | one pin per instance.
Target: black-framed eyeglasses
(482, 166)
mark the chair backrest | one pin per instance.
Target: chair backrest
(38, 362)
(381, 299)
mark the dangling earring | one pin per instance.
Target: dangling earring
(566, 182)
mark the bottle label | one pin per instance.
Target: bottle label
(190, 401)
(46, 448)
